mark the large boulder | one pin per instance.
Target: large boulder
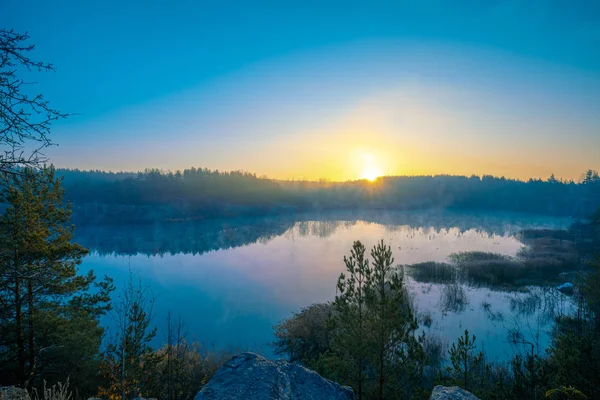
(13, 393)
(451, 393)
(250, 376)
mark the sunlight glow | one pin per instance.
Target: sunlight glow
(370, 173)
(370, 170)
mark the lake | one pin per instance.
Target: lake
(232, 280)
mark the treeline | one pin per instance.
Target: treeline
(155, 196)
(150, 196)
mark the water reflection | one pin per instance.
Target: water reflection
(453, 299)
(490, 314)
(175, 238)
(232, 280)
(199, 237)
(496, 317)
(544, 303)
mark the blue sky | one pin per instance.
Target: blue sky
(322, 89)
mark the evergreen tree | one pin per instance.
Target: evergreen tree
(43, 297)
(396, 356)
(373, 328)
(464, 359)
(349, 322)
(530, 374)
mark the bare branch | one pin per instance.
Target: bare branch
(25, 119)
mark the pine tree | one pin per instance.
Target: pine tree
(530, 373)
(349, 343)
(41, 290)
(464, 359)
(396, 356)
(373, 327)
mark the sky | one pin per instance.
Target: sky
(333, 90)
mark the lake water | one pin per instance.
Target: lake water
(232, 280)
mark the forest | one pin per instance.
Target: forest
(155, 196)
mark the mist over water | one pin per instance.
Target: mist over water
(232, 280)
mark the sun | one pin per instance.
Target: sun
(370, 169)
(370, 173)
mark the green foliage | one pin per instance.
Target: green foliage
(464, 360)
(565, 392)
(530, 376)
(395, 353)
(304, 336)
(575, 351)
(575, 358)
(470, 370)
(366, 337)
(182, 368)
(132, 368)
(43, 296)
(349, 325)
(591, 296)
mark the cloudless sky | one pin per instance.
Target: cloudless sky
(321, 89)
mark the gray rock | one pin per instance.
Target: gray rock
(250, 376)
(13, 393)
(451, 393)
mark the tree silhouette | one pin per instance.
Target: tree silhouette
(25, 119)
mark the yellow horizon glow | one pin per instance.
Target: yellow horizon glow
(371, 174)
(370, 170)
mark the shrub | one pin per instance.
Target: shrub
(304, 336)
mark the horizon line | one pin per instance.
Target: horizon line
(325, 180)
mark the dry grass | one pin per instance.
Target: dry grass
(59, 391)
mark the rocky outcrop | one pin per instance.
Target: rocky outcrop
(451, 393)
(250, 376)
(13, 393)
